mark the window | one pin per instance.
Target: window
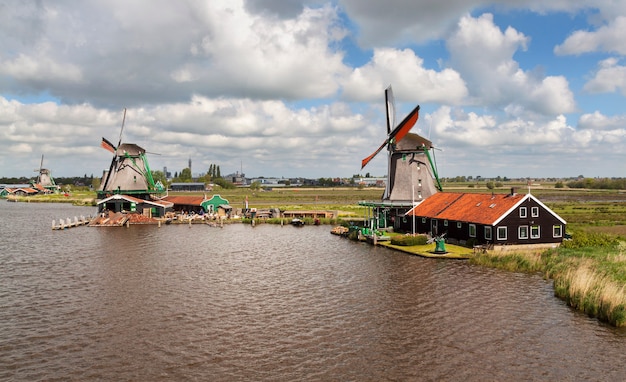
(445, 223)
(472, 230)
(534, 232)
(534, 212)
(557, 231)
(487, 233)
(502, 233)
(522, 232)
(459, 224)
(424, 220)
(522, 212)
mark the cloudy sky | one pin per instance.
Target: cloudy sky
(285, 88)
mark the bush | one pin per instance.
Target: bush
(409, 240)
(582, 239)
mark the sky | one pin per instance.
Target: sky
(286, 88)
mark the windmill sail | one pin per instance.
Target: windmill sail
(390, 104)
(397, 134)
(107, 145)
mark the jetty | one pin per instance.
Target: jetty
(69, 223)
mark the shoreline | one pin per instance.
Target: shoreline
(589, 277)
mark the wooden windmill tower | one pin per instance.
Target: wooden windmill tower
(411, 172)
(129, 172)
(44, 178)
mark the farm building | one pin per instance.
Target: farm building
(486, 219)
(127, 203)
(199, 204)
(187, 187)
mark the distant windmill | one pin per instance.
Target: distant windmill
(129, 172)
(412, 174)
(44, 179)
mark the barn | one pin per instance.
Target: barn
(498, 219)
(127, 203)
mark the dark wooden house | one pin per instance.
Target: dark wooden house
(130, 204)
(486, 219)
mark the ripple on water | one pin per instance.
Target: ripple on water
(274, 303)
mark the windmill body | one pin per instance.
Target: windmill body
(411, 177)
(129, 172)
(45, 181)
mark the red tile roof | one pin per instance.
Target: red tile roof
(185, 200)
(467, 207)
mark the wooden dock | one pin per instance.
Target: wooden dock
(69, 223)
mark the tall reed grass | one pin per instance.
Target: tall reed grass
(590, 279)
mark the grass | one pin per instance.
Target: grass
(591, 279)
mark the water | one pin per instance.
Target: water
(272, 303)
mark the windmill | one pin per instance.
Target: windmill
(411, 172)
(44, 179)
(129, 172)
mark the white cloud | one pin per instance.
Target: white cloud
(607, 38)
(610, 77)
(411, 81)
(483, 54)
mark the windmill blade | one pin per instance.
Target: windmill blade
(390, 109)
(405, 126)
(365, 161)
(122, 129)
(397, 134)
(108, 145)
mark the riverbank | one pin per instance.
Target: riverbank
(589, 273)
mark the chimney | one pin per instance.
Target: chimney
(513, 191)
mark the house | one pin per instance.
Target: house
(199, 204)
(187, 203)
(127, 203)
(21, 191)
(486, 219)
(187, 186)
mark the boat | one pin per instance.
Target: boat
(297, 222)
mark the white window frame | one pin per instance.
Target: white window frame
(472, 230)
(534, 212)
(522, 212)
(459, 225)
(445, 223)
(488, 233)
(557, 231)
(423, 220)
(502, 233)
(519, 232)
(538, 235)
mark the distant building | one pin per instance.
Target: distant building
(187, 187)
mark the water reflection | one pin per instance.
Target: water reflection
(273, 303)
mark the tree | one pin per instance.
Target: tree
(184, 176)
(224, 183)
(255, 186)
(159, 176)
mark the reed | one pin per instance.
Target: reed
(590, 279)
(593, 292)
